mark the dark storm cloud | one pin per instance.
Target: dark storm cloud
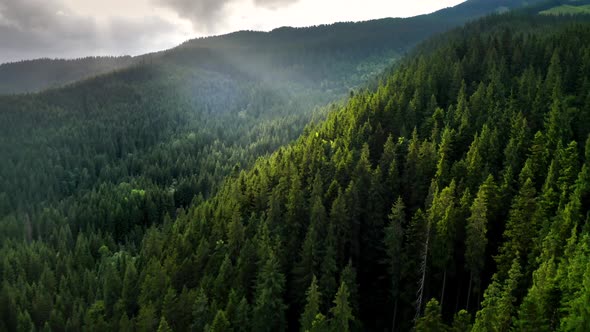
(47, 28)
(206, 15)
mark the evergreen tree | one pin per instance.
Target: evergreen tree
(342, 317)
(461, 322)
(200, 311)
(445, 154)
(220, 323)
(24, 322)
(520, 230)
(312, 308)
(163, 326)
(498, 307)
(476, 234)
(394, 236)
(537, 310)
(269, 308)
(432, 319)
(578, 314)
(328, 269)
(442, 215)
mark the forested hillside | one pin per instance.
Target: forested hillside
(355, 51)
(454, 195)
(174, 125)
(40, 74)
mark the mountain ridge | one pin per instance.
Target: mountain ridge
(36, 75)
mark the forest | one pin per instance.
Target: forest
(318, 54)
(450, 193)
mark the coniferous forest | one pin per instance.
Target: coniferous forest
(449, 192)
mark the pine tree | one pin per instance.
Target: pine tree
(147, 320)
(578, 313)
(130, 289)
(269, 309)
(340, 227)
(474, 163)
(476, 235)
(517, 145)
(220, 323)
(461, 322)
(163, 326)
(125, 324)
(24, 322)
(537, 310)
(443, 216)
(432, 319)
(312, 308)
(200, 311)
(348, 276)
(241, 319)
(341, 312)
(539, 157)
(520, 230)
(235, 234)
(445, 155)
(328, 269)
(498, 307)
(223, 281)
(95, 318)
(309, 258)
(394, 237)
(413, 257)
(295, 214)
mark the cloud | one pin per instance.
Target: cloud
(205, 15)
(48, 28)
(208, 15)
(274, 4)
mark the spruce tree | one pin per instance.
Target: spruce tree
(220, 322)
(393, 240)
(476, 235)
(312, 307)
(342, 316)
(498, 307)
(269, 309)
(163, 326)
(432, 320)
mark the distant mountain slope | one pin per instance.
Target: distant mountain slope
(35, 75)
(328, 49)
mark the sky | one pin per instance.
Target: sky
(32, 29)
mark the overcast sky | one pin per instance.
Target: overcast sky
(75, 28)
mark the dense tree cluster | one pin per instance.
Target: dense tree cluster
(454, 196)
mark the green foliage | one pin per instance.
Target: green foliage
(498, 306)
(220, 323)
(341, 311)
(164, 327)
(126, 218)
(432, 319)
(312, 307)
(461, 322)
(269, 309)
